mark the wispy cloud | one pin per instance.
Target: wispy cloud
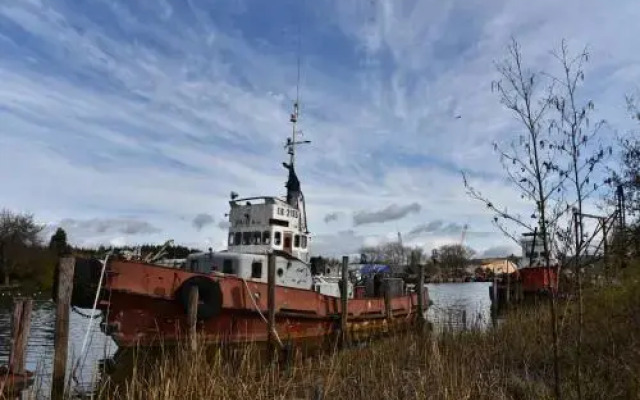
(501, 251)
(201, 220)
(390, 213)
(332, 216)
(437, 226)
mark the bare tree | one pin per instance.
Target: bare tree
(578, 138)
(391, 253)
(530, 163)
(454, 258)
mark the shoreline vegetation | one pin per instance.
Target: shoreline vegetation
(512, 360)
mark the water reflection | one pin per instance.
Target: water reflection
(40, 349)
(458, 306)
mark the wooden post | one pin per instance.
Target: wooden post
(61, 334)
(508, 294)
(495, 289)
(271, 303)
(193, 317)
(420, 291)
(20, 334)
(387, 299)
(344, 301)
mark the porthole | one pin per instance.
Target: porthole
(280, 272)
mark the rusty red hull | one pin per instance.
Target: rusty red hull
(141, 308)
(537, 279)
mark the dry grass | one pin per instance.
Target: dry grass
(511, 361)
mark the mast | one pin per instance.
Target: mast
(292, 142)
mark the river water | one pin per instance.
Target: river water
(455, 306)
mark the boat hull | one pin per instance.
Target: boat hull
(141, 308)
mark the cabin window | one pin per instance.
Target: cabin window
(296, 241)
(257, 236)
(237, 241)
(231, 238)
(303, 242)
(194, 265)
(277, 238)
(266, 237)
(246, 238)
(227, 266)
(256, 269)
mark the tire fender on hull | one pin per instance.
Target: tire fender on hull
(209, 296)
(86, 276)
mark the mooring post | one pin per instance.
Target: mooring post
(194, 298)
(508, 294)
(495, 289)
(21, 324)
(387, 299)
(344, 301)
(271, 303)
(61, 334)
(420, 290)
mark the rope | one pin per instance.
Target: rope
(275, 333)
(83, 351)
(84, 315)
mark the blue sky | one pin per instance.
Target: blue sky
(123, 121)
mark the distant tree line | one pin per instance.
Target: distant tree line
(26, 259)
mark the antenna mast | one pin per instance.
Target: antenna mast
(292, 142)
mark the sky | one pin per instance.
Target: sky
(130, 122)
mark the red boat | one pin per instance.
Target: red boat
(533, 274)
(145, 303)
(533, 278)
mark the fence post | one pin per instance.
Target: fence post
(194, 298)
(344, 301)
(61, 334)
(20, 334)
(271, 303)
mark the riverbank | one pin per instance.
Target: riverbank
(511, 361)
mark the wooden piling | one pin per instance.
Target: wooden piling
(271, 303)
(508, 294)
(344, 301)
(61, 334)
(21, 324)
(420, 290)
(387, 299)
(495, 289)
(194, 298)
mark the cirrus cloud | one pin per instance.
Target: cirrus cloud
(389, 213)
